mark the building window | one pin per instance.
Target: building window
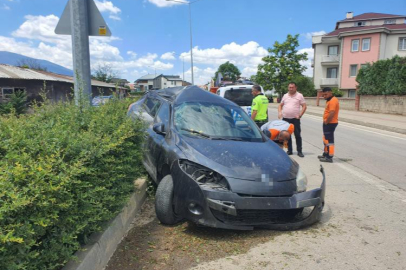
(351, 93)
(359, 23)
(366, 44)
(332, 50)
(332, 72)
(391, 21)
(353, 70)
(355, 45)
(402, 44)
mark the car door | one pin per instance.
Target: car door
(149, 110)
(156, 142)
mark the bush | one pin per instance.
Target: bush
(384, 77)
(64, 172)
(17, 104)
(337, 92)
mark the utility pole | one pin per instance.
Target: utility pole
(81, 19)
(80, 47)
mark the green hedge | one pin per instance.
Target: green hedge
(64, 172)
(384, 77)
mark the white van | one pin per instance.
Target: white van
(239, 94)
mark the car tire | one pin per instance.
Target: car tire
(164, 202)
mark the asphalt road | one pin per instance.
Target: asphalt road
(377, 152)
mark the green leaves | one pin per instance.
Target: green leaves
(64, 171)
(384, 77)
(281, 65)
(229, 71)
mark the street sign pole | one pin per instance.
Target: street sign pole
(81, 19)
(80, 50)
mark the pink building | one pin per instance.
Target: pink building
(356, 41)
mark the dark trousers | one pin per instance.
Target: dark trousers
(328, 139)
(296, 124)
(260, 123)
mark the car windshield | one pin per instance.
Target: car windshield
(241, 97)
(215, 122)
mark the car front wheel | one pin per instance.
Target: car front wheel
(164, 202)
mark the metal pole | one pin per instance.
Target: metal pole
(191, 43)
(80, 46)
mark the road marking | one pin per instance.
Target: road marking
(355, 126)
(374, 181)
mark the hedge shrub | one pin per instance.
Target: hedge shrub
(64, 172)
(384, 77)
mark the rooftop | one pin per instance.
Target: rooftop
(13, 72)
(372, 15)
(388, 27)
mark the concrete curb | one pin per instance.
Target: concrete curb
(362, 123)
(96, 254)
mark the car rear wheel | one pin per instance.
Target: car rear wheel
(164, 202)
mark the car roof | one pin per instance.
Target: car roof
(236, 86)
(178, 95)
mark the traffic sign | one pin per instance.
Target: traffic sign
(97, 25)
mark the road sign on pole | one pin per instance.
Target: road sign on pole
(81, 19)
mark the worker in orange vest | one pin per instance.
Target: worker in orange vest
(278, 131)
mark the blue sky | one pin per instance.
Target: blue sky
(147, 32)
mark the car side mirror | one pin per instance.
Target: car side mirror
(159, 128)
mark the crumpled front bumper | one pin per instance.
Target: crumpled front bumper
(229, 210)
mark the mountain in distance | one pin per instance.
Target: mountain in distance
(13, 59)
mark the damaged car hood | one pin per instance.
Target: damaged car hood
(240, 160)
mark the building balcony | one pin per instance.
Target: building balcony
(330, 59)
(329, 82)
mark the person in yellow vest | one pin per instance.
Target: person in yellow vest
(259, 108)
(278, 131)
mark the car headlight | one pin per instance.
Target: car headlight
(301, 181)
(204, 176)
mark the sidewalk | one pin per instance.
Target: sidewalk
(389, 122)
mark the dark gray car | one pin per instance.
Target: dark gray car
(213, 166)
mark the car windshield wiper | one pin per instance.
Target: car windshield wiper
(227, 139)
(196, 132)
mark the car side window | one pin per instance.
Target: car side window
(163, 115)
(151, 105)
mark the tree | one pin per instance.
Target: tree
(281, 65)
(104, 72)
(304, 85)
(31, 63)
(229, 71)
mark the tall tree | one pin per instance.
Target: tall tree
(281, 65)
(104, 72)
(229, 71)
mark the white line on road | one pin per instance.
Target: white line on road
(355, 126)
(374, 181)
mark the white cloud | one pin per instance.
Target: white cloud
(36, 38)
(5, 7)
(309, 35)
(168, 56)
(308, 63)
(164, 3)
(107, 6)
(115, 17)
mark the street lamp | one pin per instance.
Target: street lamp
(191, 37)
(183, 61)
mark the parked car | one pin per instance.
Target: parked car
(214, 167)
(239, 94)
(100, 100)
